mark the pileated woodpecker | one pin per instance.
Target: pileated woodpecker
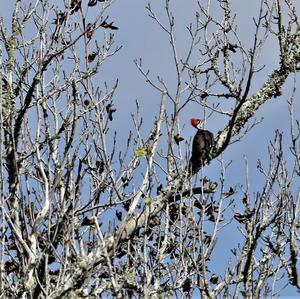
(202, 145)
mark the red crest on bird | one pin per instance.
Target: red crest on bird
(195, 122)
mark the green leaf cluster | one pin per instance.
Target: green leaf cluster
(143, 151)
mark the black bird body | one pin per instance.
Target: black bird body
(202, 145)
